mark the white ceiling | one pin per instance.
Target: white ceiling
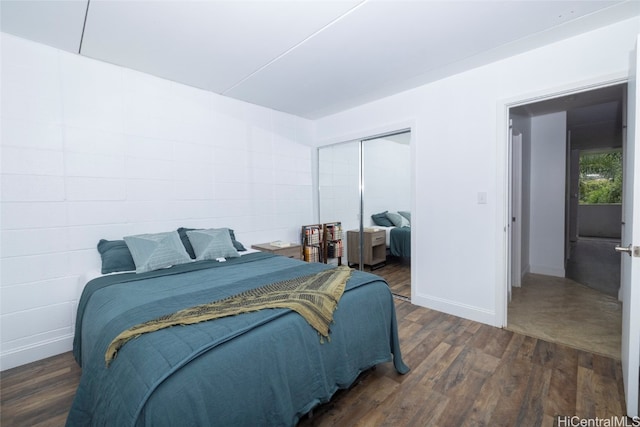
(310, 58)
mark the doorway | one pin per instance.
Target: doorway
(564, 244)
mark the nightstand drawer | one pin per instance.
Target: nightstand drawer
(292, 251)
(378, 238)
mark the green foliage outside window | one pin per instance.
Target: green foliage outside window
(601, 177)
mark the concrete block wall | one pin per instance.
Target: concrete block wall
(91, 150)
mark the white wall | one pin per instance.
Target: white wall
(91, 150)
(459, 145)
(547, 198)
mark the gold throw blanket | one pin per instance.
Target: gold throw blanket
(314, 297)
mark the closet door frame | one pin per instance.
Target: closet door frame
(361, 142)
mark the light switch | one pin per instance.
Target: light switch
(482, 198)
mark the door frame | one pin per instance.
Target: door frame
(504, 173)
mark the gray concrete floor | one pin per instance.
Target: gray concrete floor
(594, 263)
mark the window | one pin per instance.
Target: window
(600, 177)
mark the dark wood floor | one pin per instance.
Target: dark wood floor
(397, 273)
(40, 393)
(463, 373)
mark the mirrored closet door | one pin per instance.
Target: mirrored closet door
(366, 184)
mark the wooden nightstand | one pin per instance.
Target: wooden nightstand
(292, 251)
(374, 248)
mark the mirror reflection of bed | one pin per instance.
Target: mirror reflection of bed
(397, 268)
(384, 204)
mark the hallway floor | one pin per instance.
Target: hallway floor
(563, 311)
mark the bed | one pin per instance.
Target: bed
(397, 226)
(267, 367)
(400, 242)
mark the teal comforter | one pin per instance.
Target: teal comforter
(263, 368)
(400, 242)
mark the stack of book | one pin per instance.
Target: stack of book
(312, 254)
(335, 249)
(333, 231)
(312, 235)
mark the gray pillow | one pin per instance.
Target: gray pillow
(115, 256)
(398, 220)
(156, 250)
(212, 243)
(406, 214)
(182, 232)
(381, 219)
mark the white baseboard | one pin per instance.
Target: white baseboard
(547, 270)
(28, 354)
(454, 308)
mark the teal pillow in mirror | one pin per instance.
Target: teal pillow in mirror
(398, 220)
(406, 214)
(156, 250)
(115, 256)
(212, 244)
(381, 219)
